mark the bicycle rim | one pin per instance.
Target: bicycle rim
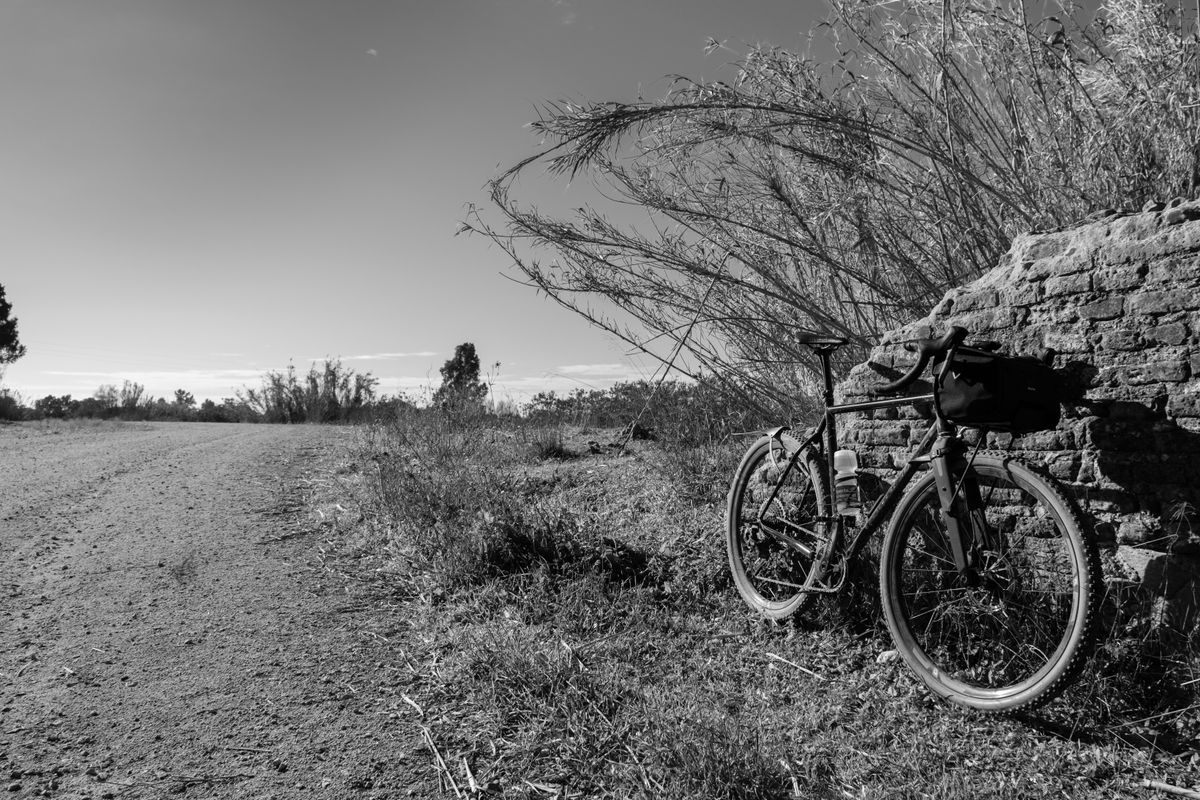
(765, 557)
(1017, 636)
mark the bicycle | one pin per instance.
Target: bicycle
(988, 571)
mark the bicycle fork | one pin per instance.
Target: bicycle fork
(961, 504)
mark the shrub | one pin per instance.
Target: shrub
(330, 393)
(845, 196)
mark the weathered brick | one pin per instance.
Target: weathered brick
(1121, 340)
(1183, 403)
(1159, 302)
(1042, 440)
(1063, 466)
(1172, 274)
(1183, 212)
(1170, 333)
(1137, 530)
(971, 301)
(1047, 246)
(1067, 284)
(879, 433)
(1063, 342)
(1115, 279)
(1044, 268)
(1132, 228)
(1105, 308)
(1156, 372)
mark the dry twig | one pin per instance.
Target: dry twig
(1166, 787)
(805, 670)
(440, 762)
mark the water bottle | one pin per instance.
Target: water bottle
(845, 482)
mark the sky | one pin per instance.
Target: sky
(195, 192)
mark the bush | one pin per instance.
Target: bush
(845, 196)
(330, 393)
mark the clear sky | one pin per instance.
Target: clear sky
(196, 191)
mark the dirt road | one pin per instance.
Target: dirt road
(163, 631)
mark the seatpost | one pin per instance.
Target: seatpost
(826, 370)
(831, 443)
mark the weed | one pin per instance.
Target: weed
(569, 629)
(549, 444)
(183, 570)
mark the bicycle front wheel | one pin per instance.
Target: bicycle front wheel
(776, 525)
(1017, 630)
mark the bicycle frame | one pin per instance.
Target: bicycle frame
(945, 457)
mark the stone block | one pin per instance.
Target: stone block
(878, 434)
(1046, 246)
(1170, 333)
(1063, 466)
(1138, 529)
(1172, 274)
(1156, 372)
(1122, 340)
(1103, 309)
(1132, 228)
(1067, 284)
(1163, 302)
(1184, 403)
(1105, 500)
(1064, 342)
(972, 301)
(1117, 279)
(1042, 440)
(1181, 212)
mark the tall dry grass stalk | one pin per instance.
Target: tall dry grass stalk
(844, 195)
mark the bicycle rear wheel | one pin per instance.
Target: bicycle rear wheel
(1018, 634)
(775, 525)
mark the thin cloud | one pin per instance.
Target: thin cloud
(569, 15)
(140, 376)
(374, 356)
(383, 356)
(596, 370)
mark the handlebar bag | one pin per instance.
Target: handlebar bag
(1015, 394)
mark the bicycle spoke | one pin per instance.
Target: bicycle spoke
(776, 527)
(1008, 624)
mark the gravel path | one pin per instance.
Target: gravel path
(162, 630)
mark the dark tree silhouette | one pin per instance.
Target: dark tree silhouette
(10, 344)
(461, 387)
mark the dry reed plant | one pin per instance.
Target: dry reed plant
(844, 193)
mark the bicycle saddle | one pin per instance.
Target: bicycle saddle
(820, 339)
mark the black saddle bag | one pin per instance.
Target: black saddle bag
(1015, 394)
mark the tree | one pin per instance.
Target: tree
(461, 387)
(107, 397)
(10, 344)
(57, 407)
(184, 398)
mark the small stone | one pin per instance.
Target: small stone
(887, 657)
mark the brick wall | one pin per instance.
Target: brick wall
(1118, 299)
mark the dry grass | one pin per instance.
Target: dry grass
(567, 629)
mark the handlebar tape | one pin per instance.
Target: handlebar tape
(926, 350)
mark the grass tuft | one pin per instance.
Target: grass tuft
(568, 628)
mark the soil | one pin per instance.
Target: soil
(167, 628)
